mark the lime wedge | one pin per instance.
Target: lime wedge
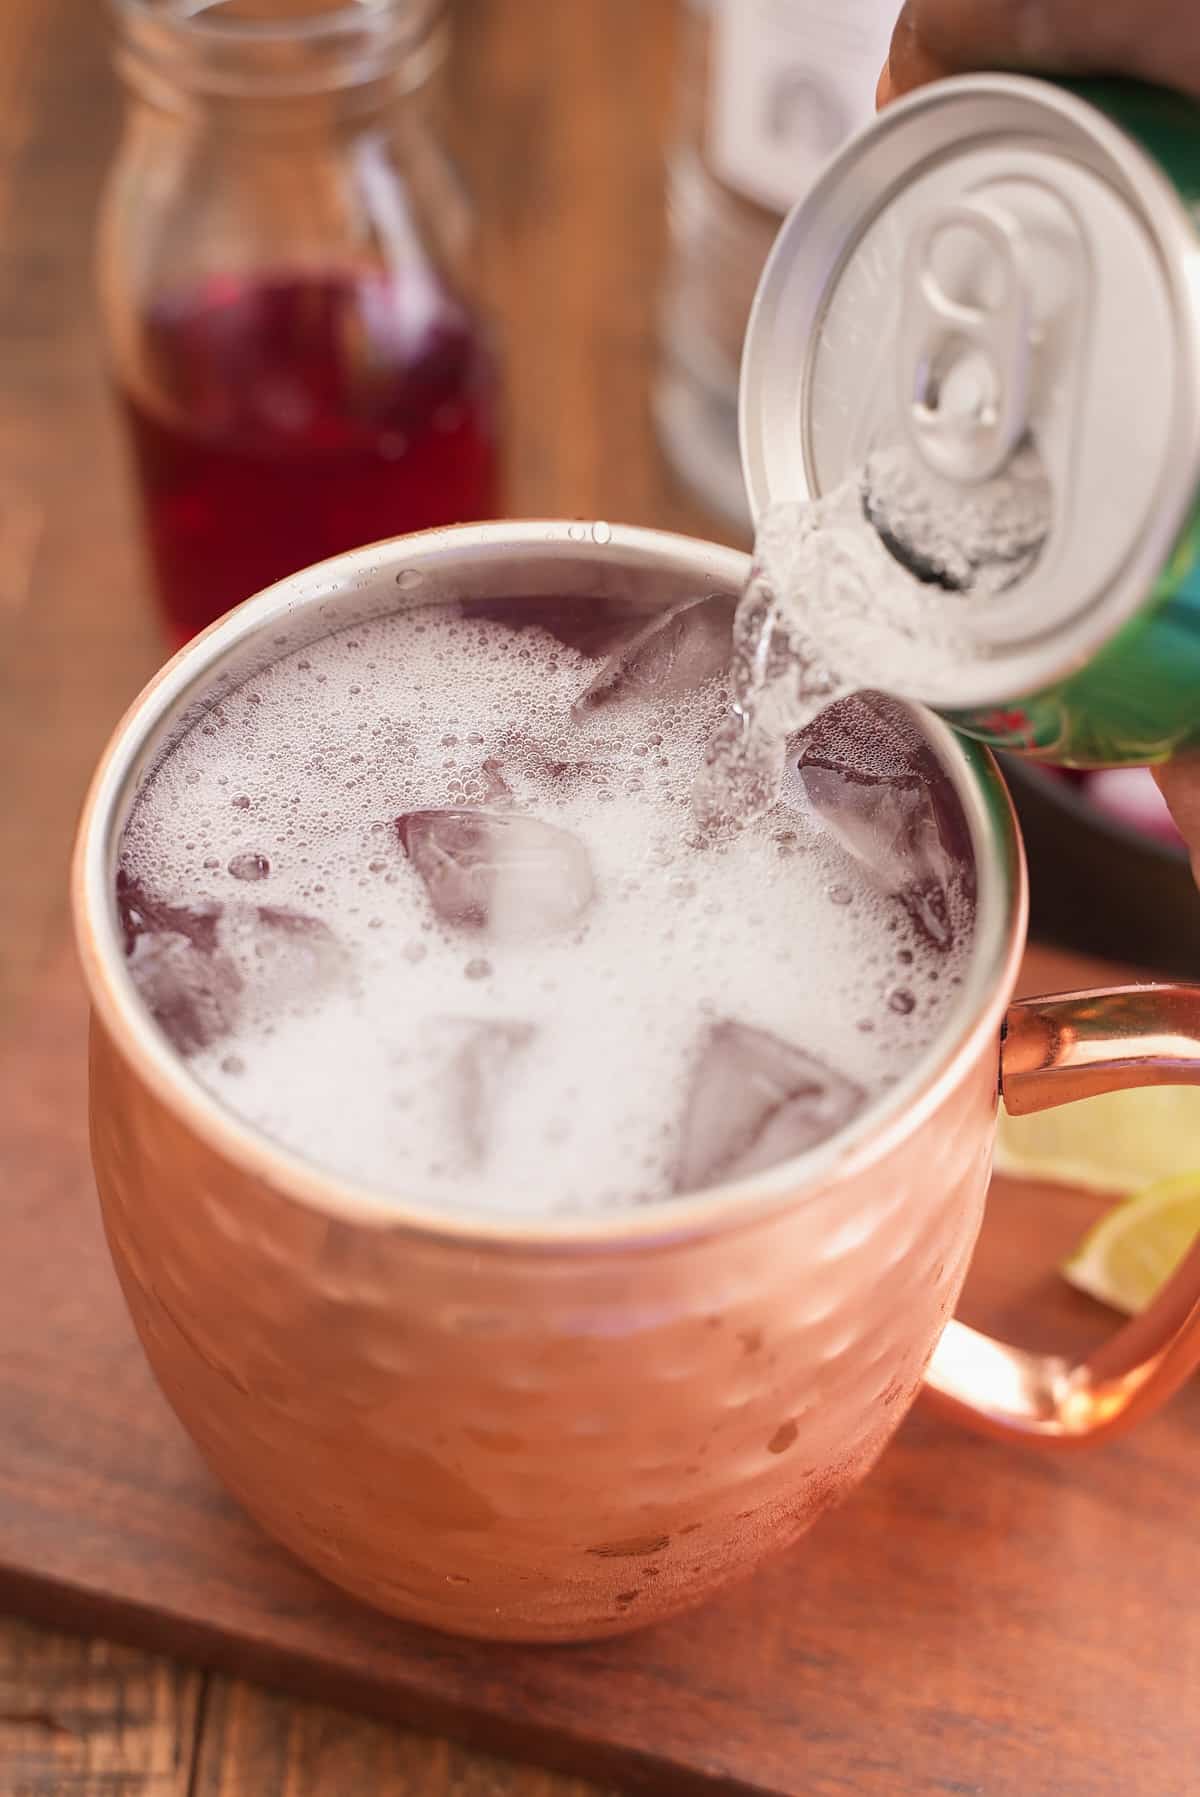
(1117, 1143)
(1135, 1248)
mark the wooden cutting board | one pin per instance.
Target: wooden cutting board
(974, 1620)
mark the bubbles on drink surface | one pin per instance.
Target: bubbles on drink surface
(432, 906)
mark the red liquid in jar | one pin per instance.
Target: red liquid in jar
(306, 418)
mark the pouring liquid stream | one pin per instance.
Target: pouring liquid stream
(868, 587)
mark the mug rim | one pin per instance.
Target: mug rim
(1000, 925)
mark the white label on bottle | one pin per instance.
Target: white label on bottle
(789, 81)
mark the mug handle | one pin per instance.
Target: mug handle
(1053, 1050)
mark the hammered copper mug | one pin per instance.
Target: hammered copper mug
(554, 1428)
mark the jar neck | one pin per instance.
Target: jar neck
(261, 63)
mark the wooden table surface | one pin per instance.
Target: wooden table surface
(560, 110)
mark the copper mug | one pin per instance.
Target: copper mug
(560, 1428)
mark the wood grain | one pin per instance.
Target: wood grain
(86, 1717)
(973, 1621)
(96, 1720)
(255, 1743)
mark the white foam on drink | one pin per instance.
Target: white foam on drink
(577, 1091)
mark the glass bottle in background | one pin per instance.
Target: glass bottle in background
(768, 89)
(282, 271)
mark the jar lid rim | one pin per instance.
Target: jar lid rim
(209, 19)
(211, 48)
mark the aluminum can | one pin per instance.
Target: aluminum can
(996, 263)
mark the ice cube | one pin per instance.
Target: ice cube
(755, 1100)
(201, 971)
(187, 985)
(286, 957)
(512, 876)
(191, 992)
(143, 913)
(673, 654)
(869, 775)
(477, 1066)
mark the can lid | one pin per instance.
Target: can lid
(993, 265)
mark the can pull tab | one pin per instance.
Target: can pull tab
(964, 363)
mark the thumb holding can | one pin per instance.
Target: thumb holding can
(1153, 40)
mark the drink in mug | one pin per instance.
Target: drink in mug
(428, 903)
(540, 1204)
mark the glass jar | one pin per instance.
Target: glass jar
(283, 283)
(767, 90)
